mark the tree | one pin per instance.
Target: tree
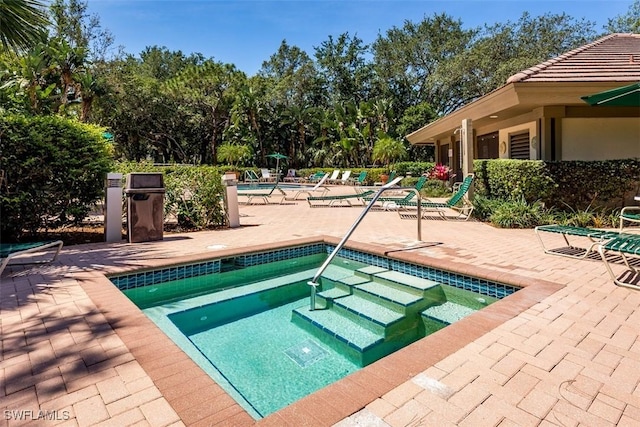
(210, 88)
(387, 150)
(408, 59)
(22, 24)
(72, 23)
(626, 23)
(344, 70)
(233, 154)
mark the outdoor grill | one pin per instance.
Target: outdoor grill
(145, 207)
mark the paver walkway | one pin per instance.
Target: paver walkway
(571, 359)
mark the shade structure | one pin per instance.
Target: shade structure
(277, 156)
(625, 96)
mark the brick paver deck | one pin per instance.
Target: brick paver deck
(564, 351)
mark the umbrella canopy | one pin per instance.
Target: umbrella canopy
(626, 96)
(277, 156)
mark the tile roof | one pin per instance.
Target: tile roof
(613, 58)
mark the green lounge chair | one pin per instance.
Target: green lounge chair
(339, 199)
(623, 245)
(264, 195)
(360, 179)
(391, 177)
(317, 188)
(317, 176)
(344, 199)
(402, 201)
(593, 238)
(251, 176)
(629, 214)
(8, 251)
(457, 203)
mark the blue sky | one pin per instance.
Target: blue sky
(248, 32)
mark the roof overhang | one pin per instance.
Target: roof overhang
(508, 102)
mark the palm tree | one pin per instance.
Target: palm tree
(22, 24)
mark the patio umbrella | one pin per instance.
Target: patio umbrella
(625, 96)
(277, 156)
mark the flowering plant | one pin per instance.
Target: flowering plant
(441, 172)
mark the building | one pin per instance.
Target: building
(540, 114)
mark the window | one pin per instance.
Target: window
(488, 146)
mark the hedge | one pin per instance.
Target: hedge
(53, 173)
(563, 185)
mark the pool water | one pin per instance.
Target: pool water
(252, 330)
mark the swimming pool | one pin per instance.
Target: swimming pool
(219, 309)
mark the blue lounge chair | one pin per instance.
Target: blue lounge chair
(8, 251)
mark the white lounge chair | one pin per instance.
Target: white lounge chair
(343, 180)
(334, 177)
(266, 176)
(317, 189)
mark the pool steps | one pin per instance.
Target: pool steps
(373, 311)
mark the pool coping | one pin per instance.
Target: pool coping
(197, 399)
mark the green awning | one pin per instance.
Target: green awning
(626, 96)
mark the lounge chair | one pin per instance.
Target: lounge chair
(343, 180)
(8, 251)
(593, 238)
(344, 199)
(264, 195)
(334, 177)
(622, 245)
(315, 177)
(390, 178)
(338, 199)
(318, 188)
(457, 203)
(251, 176)
(401, 200)
(266, 176)
(359, 180)
(291, 176)
(629, 214)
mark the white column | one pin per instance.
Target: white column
(466, 139)
(113, 208)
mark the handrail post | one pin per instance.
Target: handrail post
(314, 282)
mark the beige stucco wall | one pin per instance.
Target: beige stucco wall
(600, 138)
(503, 139)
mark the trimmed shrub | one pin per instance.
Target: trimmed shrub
(193, 193)
(582, 185)
(513, 180)
(54, 171)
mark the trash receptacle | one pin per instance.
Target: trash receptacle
(145, 207)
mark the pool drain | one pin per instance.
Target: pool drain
(305, 353)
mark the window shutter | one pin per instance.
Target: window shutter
(520, 146)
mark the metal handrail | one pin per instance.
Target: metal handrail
(314, 282)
